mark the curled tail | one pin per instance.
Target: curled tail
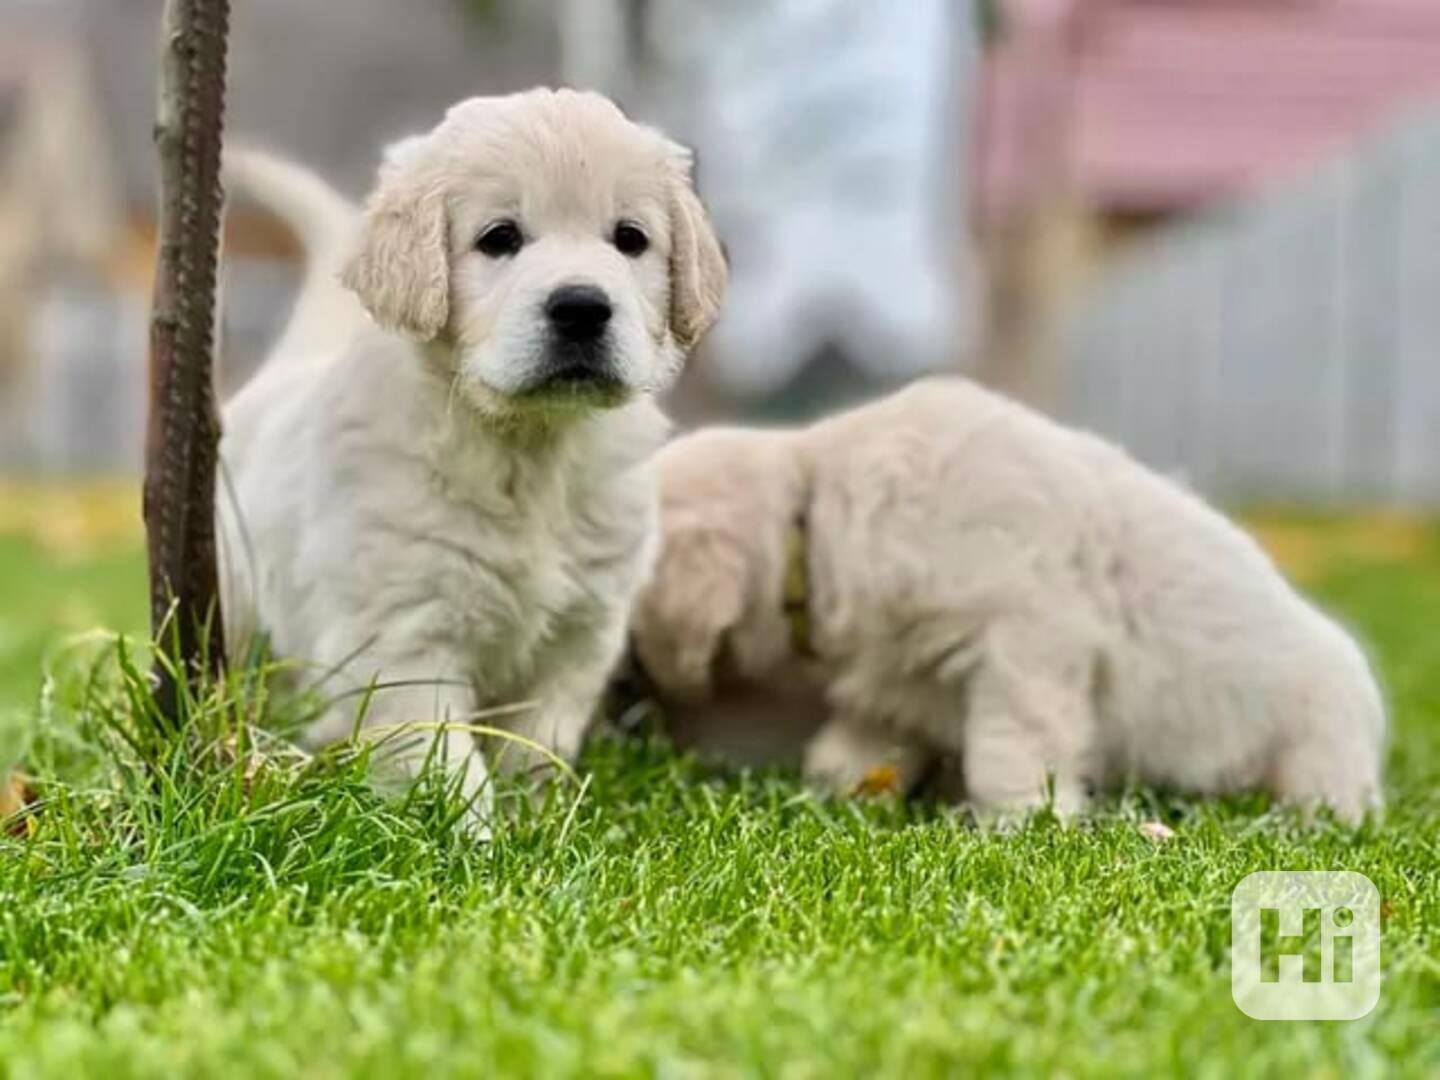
(325, 314)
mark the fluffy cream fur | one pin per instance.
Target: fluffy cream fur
(988, 584)
(414, 503)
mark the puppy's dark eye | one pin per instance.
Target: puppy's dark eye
(499, 239)
(630, 240)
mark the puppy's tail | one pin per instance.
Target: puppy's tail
(325, 315)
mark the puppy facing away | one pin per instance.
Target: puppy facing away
(977, 582)
(452, 497)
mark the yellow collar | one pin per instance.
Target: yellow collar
(796, 594)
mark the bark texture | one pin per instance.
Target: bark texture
(183, 429)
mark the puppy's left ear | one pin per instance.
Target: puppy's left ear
(401, 268)
(698, 273)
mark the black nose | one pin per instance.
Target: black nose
(578, 312)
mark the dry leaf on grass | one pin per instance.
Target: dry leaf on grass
(1156, 831)
(881, 780)
(253, 760)
(16, 793)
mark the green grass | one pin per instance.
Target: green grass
(204, 920)
(44, 598)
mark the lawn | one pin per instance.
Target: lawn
(277, 918)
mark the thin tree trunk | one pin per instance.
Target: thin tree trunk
(183, 428)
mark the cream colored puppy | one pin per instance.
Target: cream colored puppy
(454, 497)
(979, 581)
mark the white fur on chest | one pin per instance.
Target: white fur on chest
(383, 520)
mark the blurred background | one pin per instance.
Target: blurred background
(1209, 229)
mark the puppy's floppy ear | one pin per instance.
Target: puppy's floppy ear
(679, 621)
(400, 269)
(698, 273)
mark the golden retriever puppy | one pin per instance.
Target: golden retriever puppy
(962, 577)
(453, 497)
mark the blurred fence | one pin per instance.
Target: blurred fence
(1288, 349)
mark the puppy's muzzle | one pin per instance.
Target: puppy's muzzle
(578, 353)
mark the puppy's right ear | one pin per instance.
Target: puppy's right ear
(401, 268)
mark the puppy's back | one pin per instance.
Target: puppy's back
(981, 480)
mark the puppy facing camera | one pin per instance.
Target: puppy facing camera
(442, 490)
(552, 251)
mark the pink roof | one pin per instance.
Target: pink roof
(1163, 104)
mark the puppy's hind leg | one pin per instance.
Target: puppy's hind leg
(1029, 737)
(1318, 772)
